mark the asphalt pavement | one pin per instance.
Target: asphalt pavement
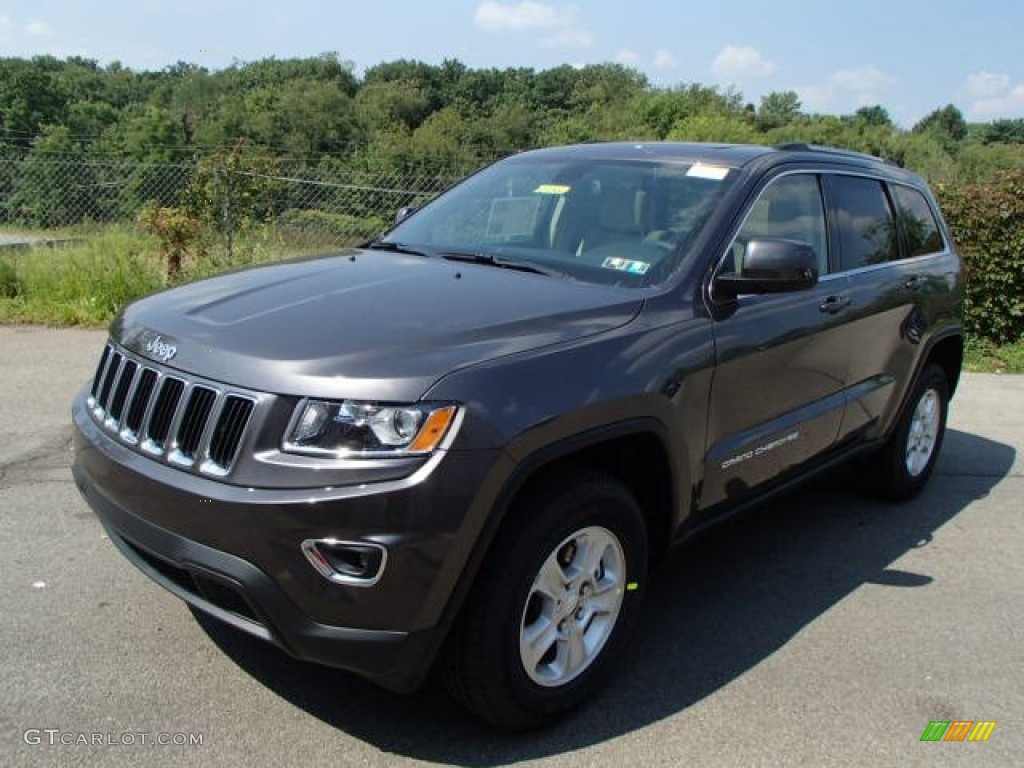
(823, 629)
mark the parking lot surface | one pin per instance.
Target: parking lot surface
(825, 628)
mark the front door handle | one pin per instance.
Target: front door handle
(834, 304)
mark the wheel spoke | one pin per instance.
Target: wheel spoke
(605, 602)
(538, 639)
(592, 550)
(551, 579)
(572, 654)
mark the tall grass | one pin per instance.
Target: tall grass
(81, 282)
(87, 279)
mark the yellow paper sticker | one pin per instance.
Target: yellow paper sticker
(552, 189)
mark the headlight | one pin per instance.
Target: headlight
(354, 429)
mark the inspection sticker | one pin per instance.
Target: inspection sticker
(632, 266)
(713, 172)
(552, 189)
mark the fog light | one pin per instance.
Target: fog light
(356, 563)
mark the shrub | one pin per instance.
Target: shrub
(988, 225)
(341, 228)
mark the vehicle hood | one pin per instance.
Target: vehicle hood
(362, 324)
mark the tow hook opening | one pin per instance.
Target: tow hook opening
(355, 563)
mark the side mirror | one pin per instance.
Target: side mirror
(404, 213)
(771, 265)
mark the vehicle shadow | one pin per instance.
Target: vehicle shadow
(722, 604)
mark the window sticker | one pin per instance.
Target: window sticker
(713, 172)
(512, 217)
(632, 266)
(552, 189)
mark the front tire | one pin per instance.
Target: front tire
(553, 604)
(903, 465)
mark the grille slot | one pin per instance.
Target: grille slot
(163, 412)
(97, 379)
(227, 435)
(124, 383)
(193, 421)
(194, 425)
(113, 368)
(140, 400)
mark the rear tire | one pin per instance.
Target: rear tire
(903, 465)
(553, 605)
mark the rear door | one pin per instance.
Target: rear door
(777, 398)
(889, 243)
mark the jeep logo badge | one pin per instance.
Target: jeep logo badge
(160, 349)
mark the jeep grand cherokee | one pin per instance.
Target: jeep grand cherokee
(463, 444)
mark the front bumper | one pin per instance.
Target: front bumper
(235, 553)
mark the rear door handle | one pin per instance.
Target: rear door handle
(834, 304)
(913, 283)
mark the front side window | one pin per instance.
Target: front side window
(594, 220)
(918, 221)
(790, 208)
(864, 221)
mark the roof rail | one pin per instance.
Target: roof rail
(800, 146)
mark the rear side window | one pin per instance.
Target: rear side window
(918, 221)
(864, 222)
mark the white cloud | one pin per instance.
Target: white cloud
(494, 16)
(561, 23)
(986, 85)
(992, 96)
(570, 37)
(627, 57)
(861, 79)
(665, 59)
(741, 62)
(814, 98)
(5, 26)
(846, 89)
(38, 28)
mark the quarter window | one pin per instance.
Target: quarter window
(920, 228)
(864, 221)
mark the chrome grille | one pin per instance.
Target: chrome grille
(191, 424)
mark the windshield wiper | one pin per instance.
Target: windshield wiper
(393, 247)
(503, 262)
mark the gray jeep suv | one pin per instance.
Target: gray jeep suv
(464, 445)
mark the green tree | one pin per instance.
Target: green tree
(876, 115)
(657, 111)
(947, 124)
(777, 109)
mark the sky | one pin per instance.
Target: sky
(910, 56)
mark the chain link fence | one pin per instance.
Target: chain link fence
(304, 207)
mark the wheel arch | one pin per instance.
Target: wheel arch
(635, 452)
(948, 352)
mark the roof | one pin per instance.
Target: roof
(731, 155)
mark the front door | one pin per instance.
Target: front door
(777, 398)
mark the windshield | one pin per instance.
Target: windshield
(603, 221)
